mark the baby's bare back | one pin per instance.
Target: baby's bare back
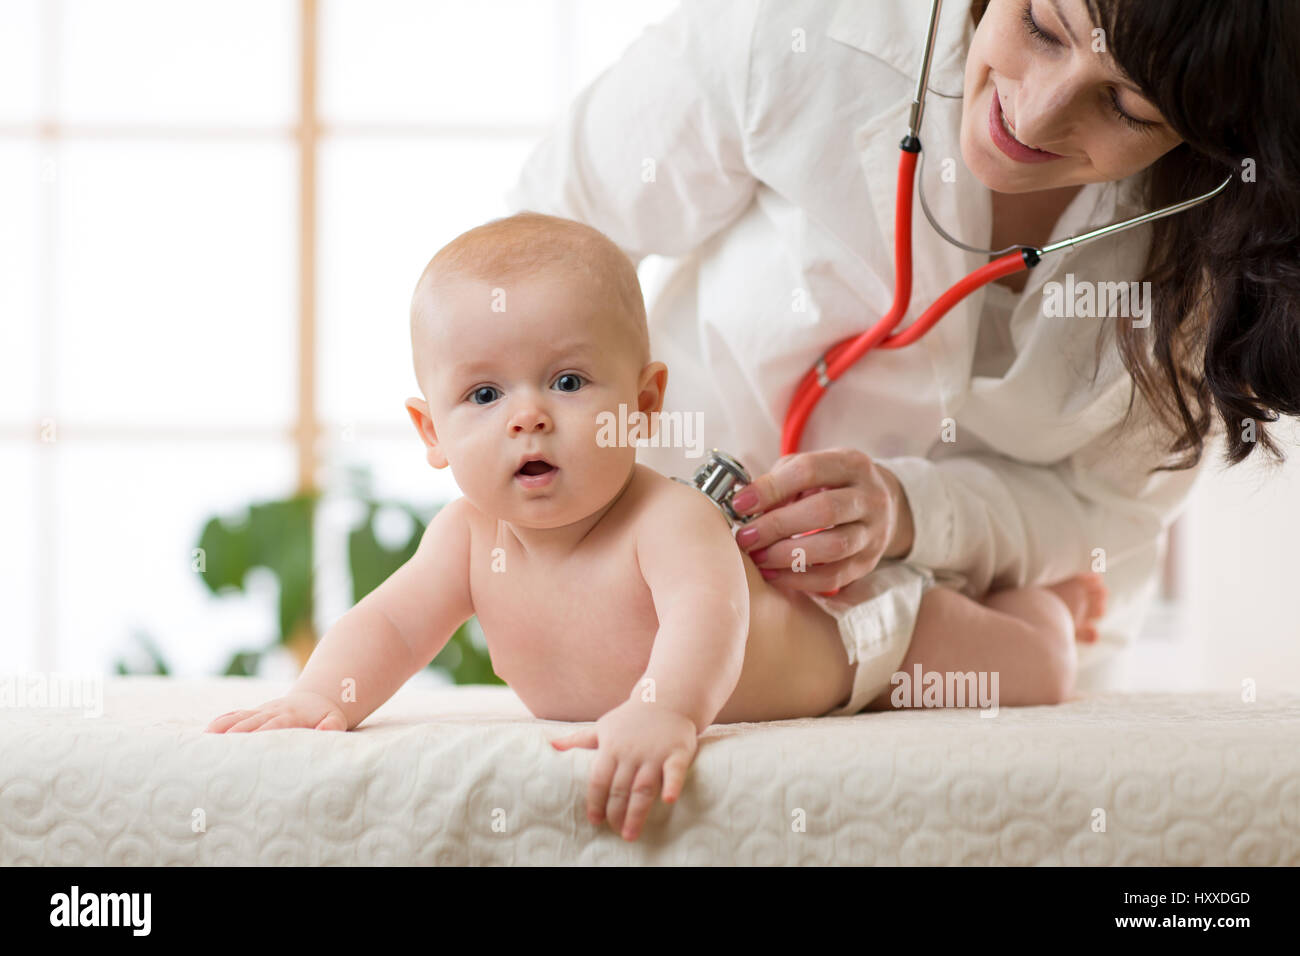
(572, 636)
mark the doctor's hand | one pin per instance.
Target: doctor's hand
(841, 510)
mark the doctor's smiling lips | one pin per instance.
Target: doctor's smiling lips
(1005, 140)
(1046, 106)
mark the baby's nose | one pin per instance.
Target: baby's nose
(529, 420)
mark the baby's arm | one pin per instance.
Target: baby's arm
(374, 648)
(696, 575)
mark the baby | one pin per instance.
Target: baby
(606, 591)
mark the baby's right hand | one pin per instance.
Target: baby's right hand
(295, 709)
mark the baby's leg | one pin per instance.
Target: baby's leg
(1026, 635)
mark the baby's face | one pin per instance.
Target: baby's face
(521, 372)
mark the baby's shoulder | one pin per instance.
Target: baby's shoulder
(670, 507)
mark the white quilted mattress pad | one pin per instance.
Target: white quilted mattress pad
(466, 775)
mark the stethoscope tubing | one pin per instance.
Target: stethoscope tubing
(840, 357)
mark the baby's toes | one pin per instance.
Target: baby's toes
(1094, 587)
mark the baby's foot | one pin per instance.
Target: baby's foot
(1085, 596)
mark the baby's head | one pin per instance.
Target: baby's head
(524, 331)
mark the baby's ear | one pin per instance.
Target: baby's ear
(418, 409)
(651, 388)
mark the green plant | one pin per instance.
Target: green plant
(278, 535)
(371, 564)
(157, 663)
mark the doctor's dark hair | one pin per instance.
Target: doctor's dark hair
(1225, 275)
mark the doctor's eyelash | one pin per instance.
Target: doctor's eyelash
(1133, 123)
(1027, 18)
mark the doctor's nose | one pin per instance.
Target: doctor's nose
(1043, 115)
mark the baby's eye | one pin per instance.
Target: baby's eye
(478, 393)
(570, 376)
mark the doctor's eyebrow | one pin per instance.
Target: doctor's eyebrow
(1127, 83)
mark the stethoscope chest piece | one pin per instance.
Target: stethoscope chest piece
(719, 477)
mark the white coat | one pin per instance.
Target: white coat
(770, 134)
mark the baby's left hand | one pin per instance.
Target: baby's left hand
(640, 747)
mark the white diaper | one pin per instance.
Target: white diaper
(876, 616)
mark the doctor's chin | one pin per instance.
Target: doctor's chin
(674, 433)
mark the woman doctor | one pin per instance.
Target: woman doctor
(756, 144)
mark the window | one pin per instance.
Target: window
(213, 215)
(211, 219)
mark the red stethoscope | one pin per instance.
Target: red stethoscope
(840, 357)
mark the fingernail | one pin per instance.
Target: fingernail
(759, 555)
(767, 573)
(747, 537)
(745, 500)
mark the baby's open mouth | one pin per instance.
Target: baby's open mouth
(536, 467)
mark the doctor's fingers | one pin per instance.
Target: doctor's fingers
(821, 577)
(826, 509)
(792, 474)
(829, 546)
